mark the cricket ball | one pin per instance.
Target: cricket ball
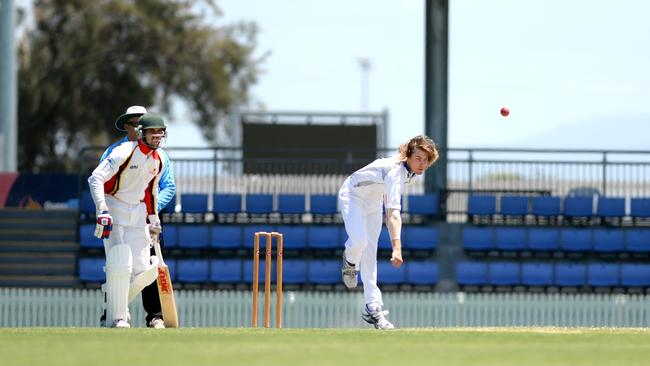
(505, 111)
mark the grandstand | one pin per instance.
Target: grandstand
(530, 224)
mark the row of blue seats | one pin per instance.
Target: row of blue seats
(569, 239)
(551, 206)
(320, 204)
(549, 274)
(203, 236)
(295, 271)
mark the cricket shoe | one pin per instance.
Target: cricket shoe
(156, 323)
(376, 317)
(102, 319)
(121, 323)
(349, 273)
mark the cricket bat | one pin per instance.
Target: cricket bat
(165, 290)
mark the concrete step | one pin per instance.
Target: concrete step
(29, 258)
(16, 246)
(40, 224)
(47, 214)
(27, 234)
(38, 269)
(38, 281)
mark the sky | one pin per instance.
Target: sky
(574, 73)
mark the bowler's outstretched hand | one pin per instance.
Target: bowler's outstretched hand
(396, 258)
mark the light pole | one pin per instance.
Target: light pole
(8, 124)
(364, 63)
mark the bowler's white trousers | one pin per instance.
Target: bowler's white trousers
(363, 224)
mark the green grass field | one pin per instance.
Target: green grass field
(292, 347)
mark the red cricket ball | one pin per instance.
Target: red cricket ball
(505, 111)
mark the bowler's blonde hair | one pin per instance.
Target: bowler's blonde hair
(423, 143)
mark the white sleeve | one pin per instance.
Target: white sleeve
(104, 171)
(393, 182)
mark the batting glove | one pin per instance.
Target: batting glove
(154, 225)
(104, 225)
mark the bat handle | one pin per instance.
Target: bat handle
(156, 246)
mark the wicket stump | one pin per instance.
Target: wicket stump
(267, 279)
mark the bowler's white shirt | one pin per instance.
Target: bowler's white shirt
(383, 177)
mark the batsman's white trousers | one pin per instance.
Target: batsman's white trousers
(130, 228)
(363, 224)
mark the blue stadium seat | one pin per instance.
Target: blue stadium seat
(294, 271)
(575, 240)
(510, 238)
(640, 207)
(421, 272)
(503, 273)
(635, 275)
(87, 237)
(226, 236)
(384, 239)
(194, 203)
(325, 271)
(537, 274)
(602, 274)
(91, 269)
(546, 206)
(248, 271)
(543, 239)
(609, 240)
(570, 274)
(170, 236)
(87, 205)
(249, 235)
(294, 236)
(226, 270)
(323, 204)
(478, 238)
(226, 203)
(481, 205)
(389, 275)
(259, 203)
(171, 264)
(423, 204)
(611, 207)
(514, 205)
(472, 273)
(578, 206)
(193, 270)
(637, 240)
(193, 236)
(291, 203)
(420, 237)
(325, 237)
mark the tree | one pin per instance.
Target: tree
(84, 61)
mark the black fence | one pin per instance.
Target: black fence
(530, 172)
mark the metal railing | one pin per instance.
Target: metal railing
(513, 171)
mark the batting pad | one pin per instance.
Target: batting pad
(144, 279)
(119, 264)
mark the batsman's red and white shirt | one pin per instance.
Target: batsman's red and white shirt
(130, 175)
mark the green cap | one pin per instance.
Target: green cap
(149, 120)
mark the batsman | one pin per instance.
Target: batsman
(124, 188)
